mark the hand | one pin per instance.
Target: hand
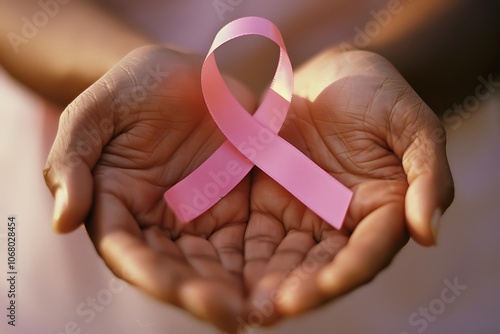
(133, 134)
(126, 140)
(357, 118)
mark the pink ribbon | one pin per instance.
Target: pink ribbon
(253, 140)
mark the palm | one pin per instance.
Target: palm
(350, 117)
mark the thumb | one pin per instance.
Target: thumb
(82, 133)
(430, 190)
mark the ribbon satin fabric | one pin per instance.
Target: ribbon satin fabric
(253, 140)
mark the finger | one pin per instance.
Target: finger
(302, 281)
(285, 259)
(208, 290)
(83, 130)
(370, 248)
(155, 264)
(262, 236)
(228, 242)
(422, 148)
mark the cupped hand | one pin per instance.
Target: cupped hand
(133, 134)
(144, 126)
(358, 119)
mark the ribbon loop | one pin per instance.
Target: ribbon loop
(253, 140)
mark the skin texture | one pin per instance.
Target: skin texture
(125, 140)
(358, 119)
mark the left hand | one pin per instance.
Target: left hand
(357, 118)
(133, 134)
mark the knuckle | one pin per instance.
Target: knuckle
(47, 174)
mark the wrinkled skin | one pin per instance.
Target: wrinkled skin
(119, 147)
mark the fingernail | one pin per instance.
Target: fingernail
(435, 221)
(59, 205)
